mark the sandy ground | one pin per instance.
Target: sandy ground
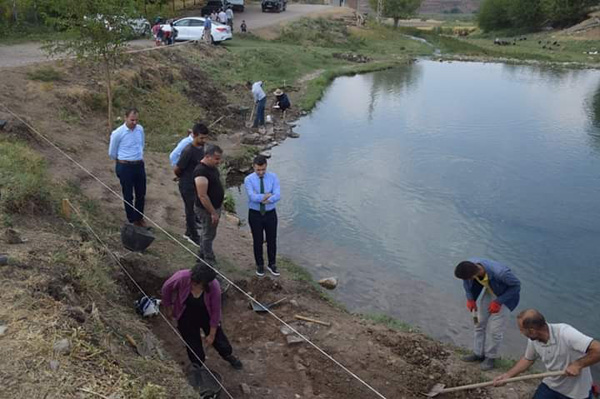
(31, 53)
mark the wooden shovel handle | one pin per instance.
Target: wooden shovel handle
(513, 379)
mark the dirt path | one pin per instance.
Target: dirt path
(31, 53)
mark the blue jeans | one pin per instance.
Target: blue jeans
(259, 119)
(133, 180)
(543, 392)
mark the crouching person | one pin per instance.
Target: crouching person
(561, 348)
(192, 297)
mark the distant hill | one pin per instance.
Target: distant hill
(440, 6)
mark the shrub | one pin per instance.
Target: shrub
(45, 74)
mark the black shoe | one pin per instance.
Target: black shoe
(260, 271)
(235, 362)
(472, 358)
(273, 270)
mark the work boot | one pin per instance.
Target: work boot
(472, 358)
(487, 364)
(235, 362)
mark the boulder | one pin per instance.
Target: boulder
(330, 283)
(63, 346)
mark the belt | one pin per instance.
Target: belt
(254, 210)
(130, 162)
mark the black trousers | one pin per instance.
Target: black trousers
(133, 179)
(261, 226)
(188, 194)
(189, 326)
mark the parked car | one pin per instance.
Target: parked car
(236, 5)
(273, 5)
(192, 28)
(211, 6)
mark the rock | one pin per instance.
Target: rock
(12, 236)
(3, 260)
(330, 283)
(53, 365)
(254, 138)
(3, 330)
(266, 154)
(293, 339)
(293, 135)
(3, 123)
(298, 363)
(245, 388)
(294, 303)
(285, 330)
(63, 346)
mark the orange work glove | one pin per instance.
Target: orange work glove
(471, 305)
(494, 307)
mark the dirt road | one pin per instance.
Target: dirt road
(30, 53)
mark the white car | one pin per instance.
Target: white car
(192, 28)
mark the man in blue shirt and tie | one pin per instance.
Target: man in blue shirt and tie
(127, 149)
(263, 192)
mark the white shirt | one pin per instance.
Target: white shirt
(126, 144)
(222, 17)
(564, 346)
(257, 91)
(229, 13)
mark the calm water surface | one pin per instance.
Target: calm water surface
(399, 175)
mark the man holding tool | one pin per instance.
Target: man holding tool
(501, 294)
(561, 348)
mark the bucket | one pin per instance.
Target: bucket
(136, 238)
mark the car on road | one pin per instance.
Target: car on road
(211, 6)
(273, 5)
(192, 28)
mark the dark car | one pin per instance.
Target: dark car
(273, 5)
(211, 6)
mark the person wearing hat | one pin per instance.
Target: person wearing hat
(192, 297)
(282, 102)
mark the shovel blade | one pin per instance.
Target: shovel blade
(436, 390)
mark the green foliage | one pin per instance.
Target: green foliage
(25, 184)
(229, 202)
(321, 32)
(529, 15)
(397, 9)
(45, 74)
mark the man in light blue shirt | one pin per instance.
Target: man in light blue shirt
(263, 192)
(184, 142)
(260, 99)
(127, 149)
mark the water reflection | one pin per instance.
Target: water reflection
(392, 83)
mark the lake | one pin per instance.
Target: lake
(399, 175)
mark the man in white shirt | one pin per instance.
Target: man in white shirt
(260, 99)
(561, 348)
(222, 17)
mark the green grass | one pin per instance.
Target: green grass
(26, 186)
(388, 321)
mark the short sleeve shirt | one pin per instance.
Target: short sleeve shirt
(190, 158)
(564, 346)
(215, 191)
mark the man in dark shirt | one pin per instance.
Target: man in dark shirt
(184, 170)
(210, 195)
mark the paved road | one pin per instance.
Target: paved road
(30, 53)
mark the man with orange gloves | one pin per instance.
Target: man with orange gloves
(501, 293)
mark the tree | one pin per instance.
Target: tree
(99, 32)
(397, 9)
(566, 12)
(526, 14)
(494, 15)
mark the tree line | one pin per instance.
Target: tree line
(531, 15)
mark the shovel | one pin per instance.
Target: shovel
(441, 388)
(260, 308)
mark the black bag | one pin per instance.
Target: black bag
(136, 238)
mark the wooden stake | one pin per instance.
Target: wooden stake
(304, 318)
(66, 208)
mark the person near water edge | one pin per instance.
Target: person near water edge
(561, 348)
(126, 148)
(184, 170)
(260, 99)
(263, 192)
(500, 292)
(192, 297)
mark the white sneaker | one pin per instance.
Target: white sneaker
(191, 241)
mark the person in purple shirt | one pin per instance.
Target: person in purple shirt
(192, 297)
(263, 192)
